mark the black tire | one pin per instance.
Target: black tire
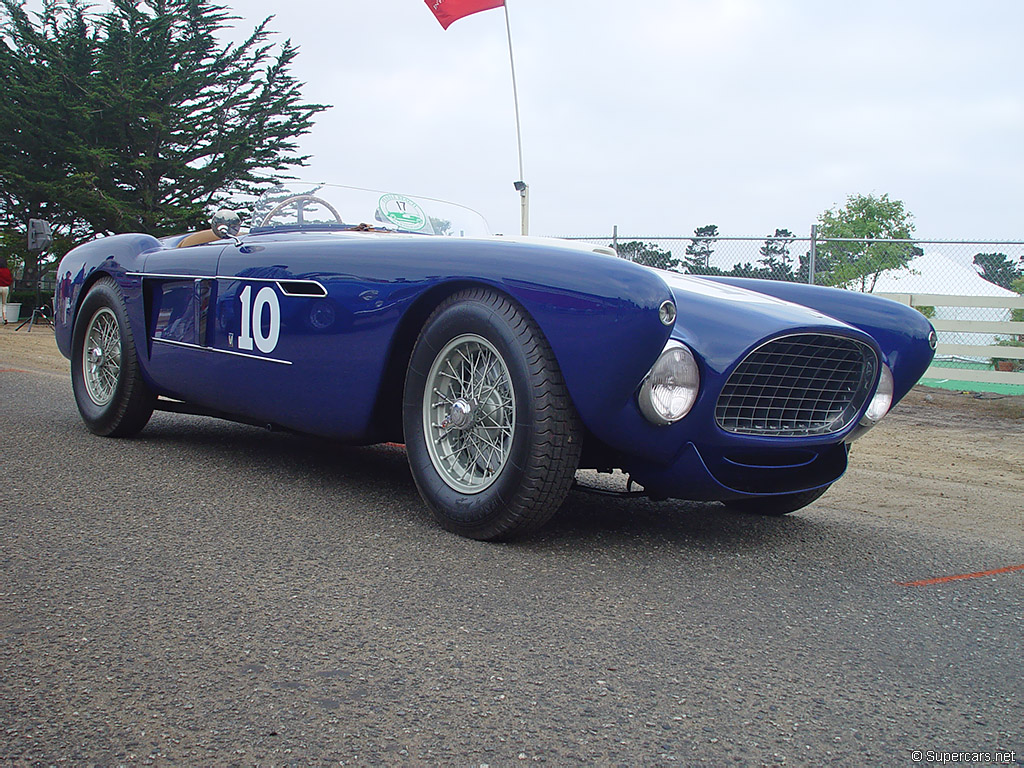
(527, 470)
(776, 506)
(112, 397)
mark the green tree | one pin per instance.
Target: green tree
(1017, 315)
(647, 254)
(138, 118)
(775, 258)
(746, 269)
(998, 268)
(848, 254)
(697, 260)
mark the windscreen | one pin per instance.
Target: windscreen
(326, 206)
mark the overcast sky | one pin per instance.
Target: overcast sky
(664, 115)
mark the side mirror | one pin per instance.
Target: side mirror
(39, 235)
(226, 223)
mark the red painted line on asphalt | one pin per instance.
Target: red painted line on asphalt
(14, 370)
(958, 577)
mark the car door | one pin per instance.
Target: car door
(300, 338)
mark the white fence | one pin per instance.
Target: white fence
(973, 358)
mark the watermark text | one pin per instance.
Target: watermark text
(992, 757)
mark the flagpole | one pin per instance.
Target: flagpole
(521, 186)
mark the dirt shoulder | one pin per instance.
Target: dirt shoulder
(967, 403)
(33, 350)
(949, 461)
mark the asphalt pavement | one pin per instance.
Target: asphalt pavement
(215, 594)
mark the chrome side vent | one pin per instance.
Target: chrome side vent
(301, 288)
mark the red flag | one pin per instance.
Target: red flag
(448, 11)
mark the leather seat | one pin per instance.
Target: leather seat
(198, 238)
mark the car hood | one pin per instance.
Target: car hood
(723, 323)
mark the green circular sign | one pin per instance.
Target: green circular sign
(403, 212)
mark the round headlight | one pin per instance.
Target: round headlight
(670, 388)
(881, 401)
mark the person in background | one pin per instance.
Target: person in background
(6, 280)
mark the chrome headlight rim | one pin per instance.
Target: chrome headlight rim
(676, 368)
(667, 313)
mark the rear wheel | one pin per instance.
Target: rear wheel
(492, 436)
(112, 397)
(774, 506)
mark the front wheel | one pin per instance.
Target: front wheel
(775, 506)
(492, 436)
(112, 397)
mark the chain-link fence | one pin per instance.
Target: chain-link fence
(974, 339)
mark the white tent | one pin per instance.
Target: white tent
(937, 273)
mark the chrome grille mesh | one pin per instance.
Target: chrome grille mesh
(800, 385)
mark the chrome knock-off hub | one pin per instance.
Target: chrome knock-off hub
(460, 415)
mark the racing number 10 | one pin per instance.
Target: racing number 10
(252, 319)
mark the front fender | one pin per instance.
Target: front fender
(599, 313)
(601, 318)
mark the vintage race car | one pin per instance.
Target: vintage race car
(503, 364)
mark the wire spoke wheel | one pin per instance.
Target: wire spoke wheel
(111, 395)
(491, 434)
(469, 413)
(101, 362)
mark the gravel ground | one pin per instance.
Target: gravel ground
(211, 594)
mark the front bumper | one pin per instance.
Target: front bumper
(741, 473)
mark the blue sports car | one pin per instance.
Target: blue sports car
(503, 364)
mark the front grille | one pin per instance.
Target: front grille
(797, 386)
